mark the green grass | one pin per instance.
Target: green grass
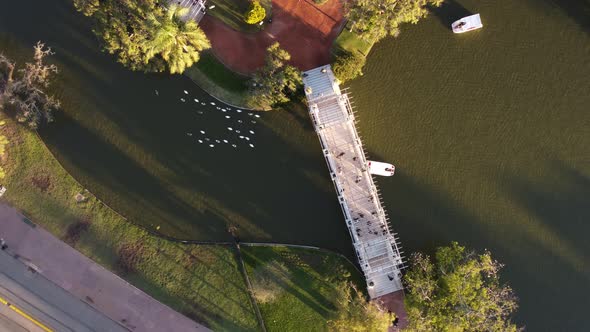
(231, 12)
(202, 282)
(219, 81)
(351, 42)
(298, 286)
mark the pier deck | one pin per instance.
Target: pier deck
(376, 246)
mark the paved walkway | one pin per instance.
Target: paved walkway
(305, 30)
(86, 280)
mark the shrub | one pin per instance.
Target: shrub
(75, 230)
(255, 13)
(41, 182)
(129, 254)
(348, 66)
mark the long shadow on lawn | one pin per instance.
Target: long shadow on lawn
(206, 309)
(203, 309)
(200, 308)
(306, 293)
(218, 272)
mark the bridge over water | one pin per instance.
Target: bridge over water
(376, 246)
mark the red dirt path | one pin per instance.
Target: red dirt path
(394, 302)
(306, 31)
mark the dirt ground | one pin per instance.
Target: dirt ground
(394, 302)
(305, 30)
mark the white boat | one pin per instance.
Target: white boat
(467, 23)
(379, 168)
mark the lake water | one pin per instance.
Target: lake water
(489, 132)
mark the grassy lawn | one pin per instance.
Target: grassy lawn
(295, 288)
(231, 12)
(215, 78)
(202, 282)
(349, 41)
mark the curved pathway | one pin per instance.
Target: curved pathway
(305, 30)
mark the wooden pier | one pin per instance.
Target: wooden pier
(376, 246)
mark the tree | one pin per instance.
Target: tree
(255, 13)
(273, 82)
(461, 291)
(25, 95)
(375, 19)
(356, 314)
(348, 66)
(121, 27)
(146, 36)
(178, 43)
(87, 7)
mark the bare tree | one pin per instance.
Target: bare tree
(25, 95)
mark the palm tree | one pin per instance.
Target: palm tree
(177, 42)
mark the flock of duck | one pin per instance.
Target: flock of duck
(238, 128)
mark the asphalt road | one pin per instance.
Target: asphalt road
(41, 305)
(11, 321)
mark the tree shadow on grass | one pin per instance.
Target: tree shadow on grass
(202, 309)
(200, 299)
(54, 216)
(294, 283)
(219, 272)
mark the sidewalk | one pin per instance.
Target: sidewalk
(86, 280)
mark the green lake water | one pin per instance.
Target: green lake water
(489, 132)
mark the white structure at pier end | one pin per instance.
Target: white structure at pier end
(375, 245)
